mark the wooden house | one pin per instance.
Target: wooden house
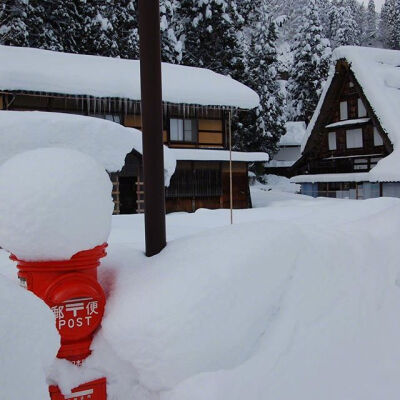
(289, 150)
(197, 109)
(351, 145)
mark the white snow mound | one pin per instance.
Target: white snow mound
(53, 203)
(105, 141)
(29, 343)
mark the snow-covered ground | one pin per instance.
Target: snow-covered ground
(298, 299)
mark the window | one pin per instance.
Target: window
(332, 140)
(354, 138)
(343, 110)
(351, 84)
(183, 130)
(378, 141)
(362, 111)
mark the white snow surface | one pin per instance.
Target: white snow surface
(39, 70)
(29, 343)
(218, 155)
(276, 183)
(298, 299)
(53, 203)
(378, 73)
(349, 177)
(106, 141)
(348, 122)
(295, 131)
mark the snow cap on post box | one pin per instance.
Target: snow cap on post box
(53, 203)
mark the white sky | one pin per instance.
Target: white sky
(379, 4)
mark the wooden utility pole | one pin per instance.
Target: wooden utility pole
(152, 126)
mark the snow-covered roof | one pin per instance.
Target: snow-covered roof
(28, 69)
(348, 122)
(294, 135)
(350, 177)
(106, 141)
(280, 164)
(217, 155)
(378, 73)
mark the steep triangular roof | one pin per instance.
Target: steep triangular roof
(376, 74)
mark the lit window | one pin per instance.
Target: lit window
(354, 138)
(362, 111)
(183, 130)
(378, 141)
(343, 110)
(332, 140)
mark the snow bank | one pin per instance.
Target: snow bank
(277, 183)
(38, 70)
(306, 294)
(29, 343)
(332, 328)
(53, 203)
(105, 141)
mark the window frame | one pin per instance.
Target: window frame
(332, 139)
(377, 135)
(342, 109)
(361, 106)
(359, 133)
(194, 133)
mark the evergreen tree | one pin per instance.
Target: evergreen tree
(211, 39)
(384, 21)
(43, 25)
(14, 22)
(260, 129)
(371, 30)
(171, 45)
(393, 29)
(343, 29)
(99, 37)
(310, 65)
(125, 22)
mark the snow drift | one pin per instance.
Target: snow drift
(29, 343)
(105, 141)
(296, 300)
(53, 203)
(308, 293)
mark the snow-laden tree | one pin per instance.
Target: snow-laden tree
(171, 32)
(343, 28)
(124, 20)
(48, 28)
(99, 35)
(14, 22)
(390, 24)
(211, 36)
(371, 28)
(312, 53)
(261, 129)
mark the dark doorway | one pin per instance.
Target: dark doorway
(127, 195)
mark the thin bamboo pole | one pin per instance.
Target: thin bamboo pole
(230, 166)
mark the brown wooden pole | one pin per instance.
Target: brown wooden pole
(152, 126)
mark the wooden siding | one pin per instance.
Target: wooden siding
(317, 157)
(133, 121)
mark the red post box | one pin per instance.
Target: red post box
(70, 288)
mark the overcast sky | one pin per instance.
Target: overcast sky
(378, 4)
